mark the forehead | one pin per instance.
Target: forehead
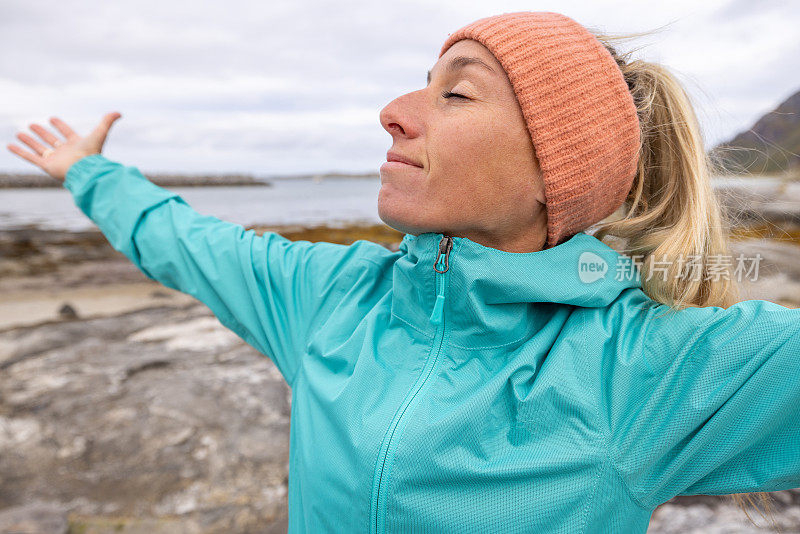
(465, 53)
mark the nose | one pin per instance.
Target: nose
(401, 116)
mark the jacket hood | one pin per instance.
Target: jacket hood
(493, 297)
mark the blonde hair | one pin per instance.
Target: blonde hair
(672, 212)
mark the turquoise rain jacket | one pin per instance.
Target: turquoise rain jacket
(451, 387)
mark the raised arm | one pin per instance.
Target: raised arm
(710, 404)
(267, 289)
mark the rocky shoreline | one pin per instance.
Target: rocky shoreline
(36, 181)
(126, 406)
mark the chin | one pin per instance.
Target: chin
(393, 216)
(397, 223)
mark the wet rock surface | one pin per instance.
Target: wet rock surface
(158, 413)
(35, 517)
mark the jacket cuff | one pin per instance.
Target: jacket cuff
(83, 170)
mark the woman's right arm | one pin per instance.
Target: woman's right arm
(267, 289)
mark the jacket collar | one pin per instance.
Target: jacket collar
(495, 298)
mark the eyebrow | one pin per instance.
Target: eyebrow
(460, 62)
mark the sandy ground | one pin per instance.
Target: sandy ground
(29, 307)
(42, 271)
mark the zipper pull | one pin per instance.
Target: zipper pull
(441, 265)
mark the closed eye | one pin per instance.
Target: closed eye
(448, 94)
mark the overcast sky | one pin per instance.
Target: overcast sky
(296, 86)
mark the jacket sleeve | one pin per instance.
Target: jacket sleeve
(711, 405)
(267, 289)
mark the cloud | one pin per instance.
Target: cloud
(298, 86)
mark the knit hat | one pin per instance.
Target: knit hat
(579, 111)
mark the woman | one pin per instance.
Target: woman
(504, 370)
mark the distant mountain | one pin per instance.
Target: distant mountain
(770, 146)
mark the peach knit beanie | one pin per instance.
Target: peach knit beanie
(580, 113)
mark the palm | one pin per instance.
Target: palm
(55, 155)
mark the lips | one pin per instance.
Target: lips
(400, 158)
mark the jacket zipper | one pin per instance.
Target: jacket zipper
(383, 468)
(441, 265)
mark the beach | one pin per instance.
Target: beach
(42, 271)
(125, 406)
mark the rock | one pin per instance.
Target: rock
(34, 518)
(161, 415)
(67, 312)
(775, 271)
(705, 514)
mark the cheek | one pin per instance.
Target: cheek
(487, 163)
(460, 154)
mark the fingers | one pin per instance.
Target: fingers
(109, 119)
(49, 138)
(31, 142)
(65, 130)
(36, 160)
(100, 132)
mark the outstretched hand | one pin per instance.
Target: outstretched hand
(57, 155)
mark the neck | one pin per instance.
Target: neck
(528, 237)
